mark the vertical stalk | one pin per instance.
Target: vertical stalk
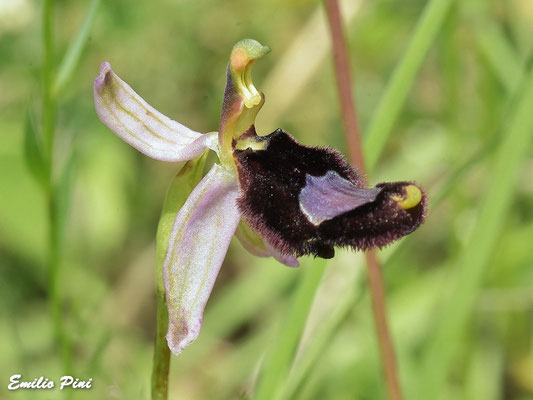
(177, 193)
(379, 309)
(375, 279)
(48, 121)
(48, 101)
(344, 84)
(161, 364)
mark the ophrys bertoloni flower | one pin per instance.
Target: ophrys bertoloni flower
(280, 198)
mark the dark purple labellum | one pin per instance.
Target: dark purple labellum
(306, 200)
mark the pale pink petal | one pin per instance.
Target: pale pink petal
(330, 195)
(142, 126)
(198, 243)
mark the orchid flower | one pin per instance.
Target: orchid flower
(280, 198)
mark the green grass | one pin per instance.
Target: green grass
(477, 251)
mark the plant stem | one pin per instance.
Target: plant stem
(48, 120)
(344, 84)
(375, 280)
(161, 362)
(180, 188)
(379, 309)
(48, 101)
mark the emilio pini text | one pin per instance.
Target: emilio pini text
(16, 382)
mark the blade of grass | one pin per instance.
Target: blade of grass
(319, 342)
(48, 121)
(311, 354)
(320, 338)
(34, 157)
(486, 370)
(494, 45)
(73, 54)
(48, 102)
(402, 79)
(468, 278)
(410, 314)
(232, 369)
(278, 361)
(508, 70)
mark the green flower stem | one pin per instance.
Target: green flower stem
(177, 194)
(48, 120)
(402, 79)
(73, 54)
(48, 100)
(459, 305)
(279, 360)
(39, 149)
(161, 362)
(54, 264)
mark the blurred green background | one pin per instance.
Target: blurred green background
(459, 290)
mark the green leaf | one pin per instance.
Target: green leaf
(33, 153)
(280, 358)
(494, 45)
(73, 54)
(402, 80)
(476, 254)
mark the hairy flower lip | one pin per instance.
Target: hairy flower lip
(308, 200)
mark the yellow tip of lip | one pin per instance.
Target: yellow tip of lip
(412, 197)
